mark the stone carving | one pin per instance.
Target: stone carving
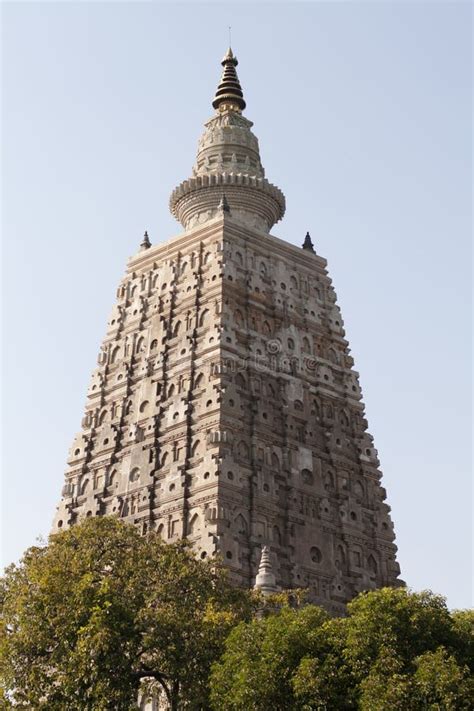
(227, 408)
(206, 423)
(265, 579)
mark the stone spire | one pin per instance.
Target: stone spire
(229, 93)
(265, 580)
(308, 243)
(228, 159)
(145, 243)
(161, 444)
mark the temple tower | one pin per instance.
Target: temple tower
(225, 406)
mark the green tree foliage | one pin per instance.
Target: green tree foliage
(325, 680)
(463, 622)
(85, 619)
(262, 657)
(395, 650)
(394, 638)
(101, 611)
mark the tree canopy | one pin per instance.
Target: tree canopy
(85, 619)
(102, 612)
(395, 650)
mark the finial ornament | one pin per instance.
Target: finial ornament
(308, 244)
(265, 580)
(224, 205)
(228, 160)
(145, 243)
(229, 93)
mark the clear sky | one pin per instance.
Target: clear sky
(363, 112)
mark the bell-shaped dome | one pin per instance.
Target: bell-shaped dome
(228, 160)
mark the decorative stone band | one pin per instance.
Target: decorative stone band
(252, 201)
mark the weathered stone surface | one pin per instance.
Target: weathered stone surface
(225, 406)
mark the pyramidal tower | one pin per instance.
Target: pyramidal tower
(225, 407)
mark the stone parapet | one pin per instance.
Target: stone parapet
(253, 201)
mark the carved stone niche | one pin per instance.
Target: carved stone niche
(68, 490)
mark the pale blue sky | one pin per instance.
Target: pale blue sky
(363, 111)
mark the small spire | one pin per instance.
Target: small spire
(223, 205)
(229, 92)
(145, 243)
(308, 244)
(265, 580)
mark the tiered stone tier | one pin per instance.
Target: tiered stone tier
(228, 162)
